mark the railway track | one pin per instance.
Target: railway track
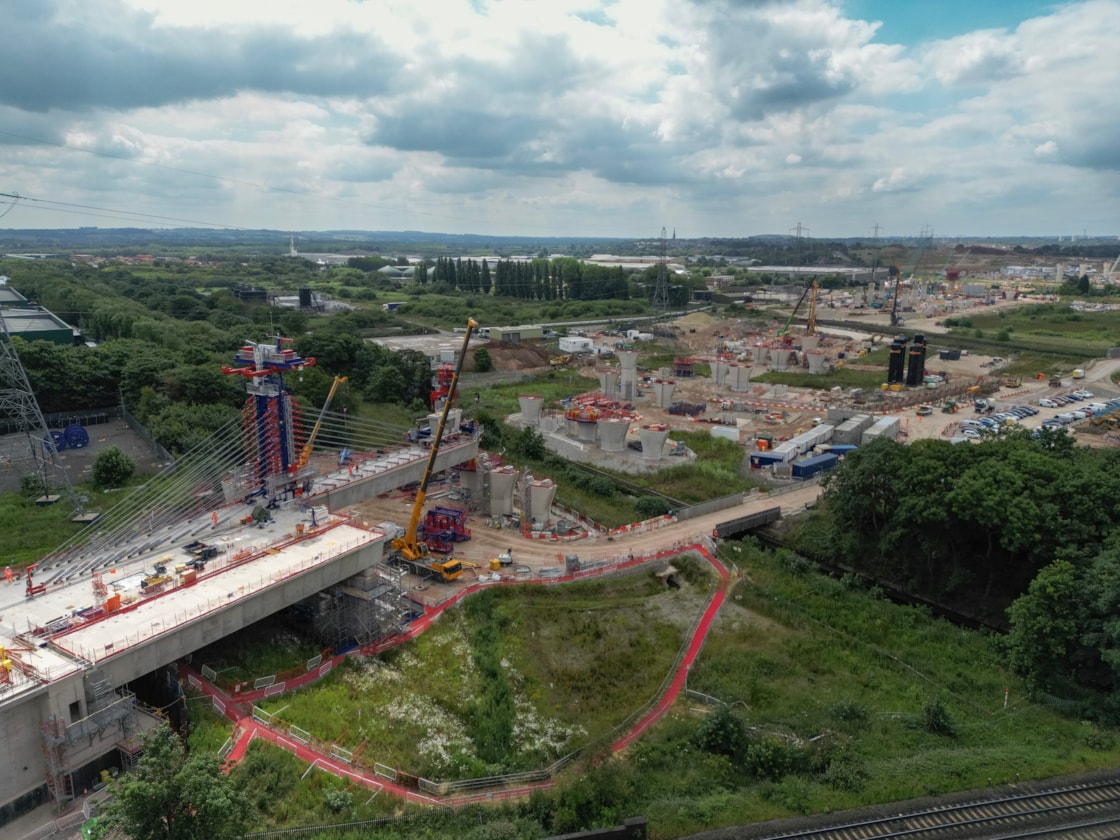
(1089, 811)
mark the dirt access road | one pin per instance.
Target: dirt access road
(486, 542)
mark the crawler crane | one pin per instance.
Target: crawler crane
(407, 548)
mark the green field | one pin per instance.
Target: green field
(835, 698)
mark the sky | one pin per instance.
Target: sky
(611, 118)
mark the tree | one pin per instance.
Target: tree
(482, 360)
(173, 796)
(1046, 625)
(112, 468)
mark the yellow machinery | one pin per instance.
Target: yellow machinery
(305, 454)
(407, 546)
(809, 293)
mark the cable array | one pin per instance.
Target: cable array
(194, 495)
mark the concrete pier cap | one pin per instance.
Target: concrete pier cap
(612, 434)
(653, 439)
(530, 409)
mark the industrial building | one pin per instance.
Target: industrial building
(30, 322)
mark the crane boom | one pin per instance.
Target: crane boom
(305, 455)
(804, 294)
(410, 548)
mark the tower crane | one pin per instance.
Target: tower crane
(407, 547)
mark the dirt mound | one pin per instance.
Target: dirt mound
(507, 356)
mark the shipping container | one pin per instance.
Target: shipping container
(730, 433)
(809, 467)
(843, 448)
(850, 432)
(766, 459)
(886, 427)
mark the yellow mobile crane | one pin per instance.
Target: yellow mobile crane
(305, 455)
(407, 547)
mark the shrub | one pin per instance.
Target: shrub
(112, 468)
(32, 485)
(338, 800)
(722, 732)
(648, 507)
(938, 721)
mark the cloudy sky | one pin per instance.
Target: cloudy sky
(564, 117)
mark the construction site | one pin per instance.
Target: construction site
(360, 530)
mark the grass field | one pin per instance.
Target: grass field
(841, 699)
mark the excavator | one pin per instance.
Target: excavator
(407, 548)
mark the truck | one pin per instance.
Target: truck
(1079, 374)
(407, 549)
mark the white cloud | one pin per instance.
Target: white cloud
(610, 117)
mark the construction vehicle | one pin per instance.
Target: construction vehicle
(305, 454)
(1078, 374)
(157, 580)
(949, 407)
(1012, 381)
(407, 548)
(560, 361)
(811, 325)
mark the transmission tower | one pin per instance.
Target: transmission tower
(20, 409)
(798, 231)
(661, 288)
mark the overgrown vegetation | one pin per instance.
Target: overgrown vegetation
(512, 681)
(830, 697)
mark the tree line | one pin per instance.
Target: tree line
(1017, 529)
(159, 346)
(560, 279)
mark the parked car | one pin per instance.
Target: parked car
(1046, 402)
(971, 434)
(1085, 395)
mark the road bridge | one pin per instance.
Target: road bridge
(103, 620)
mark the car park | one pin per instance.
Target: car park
(1046, 402)
(989, 423)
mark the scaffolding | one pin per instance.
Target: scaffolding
(365, 608)
(68, 747)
